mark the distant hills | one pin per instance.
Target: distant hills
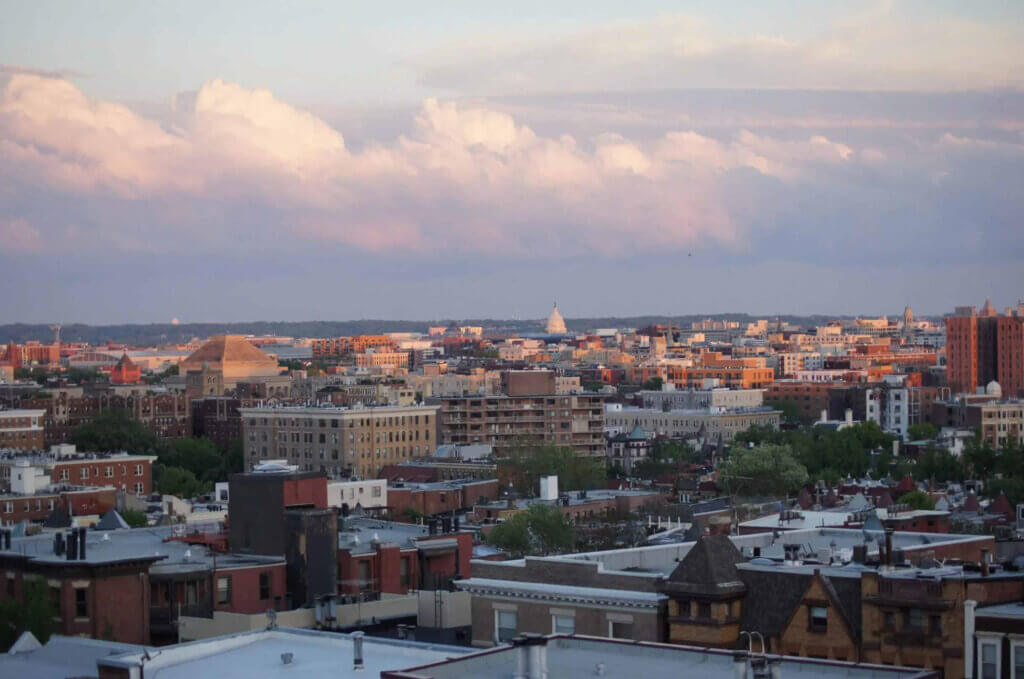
(160, 333)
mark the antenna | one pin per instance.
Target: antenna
(56, 332)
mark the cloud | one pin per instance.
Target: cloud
(464, 179)
(886, 47)
(237, 170)
(13, 69)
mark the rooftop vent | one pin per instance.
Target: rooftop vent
(357, 651)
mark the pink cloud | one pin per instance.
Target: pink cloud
(465, 179)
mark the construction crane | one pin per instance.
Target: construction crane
(56, 332)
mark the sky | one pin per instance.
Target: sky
(230, 161)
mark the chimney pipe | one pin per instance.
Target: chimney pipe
(888, 547)
(357, 651)
(72, 545)
(81, 543)
(531, 656)
(984, 563)
(849, 416)
(739, 664)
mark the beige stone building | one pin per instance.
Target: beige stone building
(682, 423)
(339, 441)
(236, 359)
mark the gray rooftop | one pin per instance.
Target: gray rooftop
(62, 657)
(257, 654)
(570, 657)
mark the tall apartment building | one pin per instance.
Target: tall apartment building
(529, 412)
(339, 441)
(982, 347)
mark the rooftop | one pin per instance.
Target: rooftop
(60, 657)
(580, 656)
(262, 653)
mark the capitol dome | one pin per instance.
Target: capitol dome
(556, 324)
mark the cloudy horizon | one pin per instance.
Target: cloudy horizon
(710, 160)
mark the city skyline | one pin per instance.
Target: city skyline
(791, 158)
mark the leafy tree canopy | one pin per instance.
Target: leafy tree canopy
(765, 469)
(917, 500)
(34, 614)
(526, 465)
(113, 431)
(540, 530)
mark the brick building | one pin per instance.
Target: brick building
(63, 465)
(810, 397)
(439, 497)
(982, 347)
(530, 412)
(217, 418)
(339, 441)
(22, 429)
(339, 347)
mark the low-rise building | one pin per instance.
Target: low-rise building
(708, 423)
(22, 429)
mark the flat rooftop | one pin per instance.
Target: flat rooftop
(661, 560)
(130, 544)
(258, 654)
(580, 656)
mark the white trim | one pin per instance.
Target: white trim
(995, 641)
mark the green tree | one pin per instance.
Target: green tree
(526, 465)
(917, 499)
(134, 518)
(114, 430)
(762, 470)
(939, 464)
(199, 456)
(925, 431)
(653, 384)
(235, 457)
(34, 613)
(178, 481)
(791, 413)
(540, 530)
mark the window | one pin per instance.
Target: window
(403, 572)
(563, 624)
(989, 660)
(81, 602)
(224, 589)
(84, 472)
(376, 491)
(620, 630)
(913, 620)
(1018, 662)
(703, 609)
(505, 625)
(264, 586)
(138, 470)
(109, 472)
(817, 619)
(55, 601)
(191, 593)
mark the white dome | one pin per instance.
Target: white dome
(993, 389)
(556, 324)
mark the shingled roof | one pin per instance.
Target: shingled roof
(228, 348)
(708, 570)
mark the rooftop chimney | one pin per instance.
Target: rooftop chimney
(888, 547)
(984, 563)
(531, 656)
(81, 543)
(72, 545)
(357, 651)
(849, 416)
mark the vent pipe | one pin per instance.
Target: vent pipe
(984, 563)
(357, 651)
(888, 547)
(72, 545)
(739, 664)
(81, 543)
(531, 656)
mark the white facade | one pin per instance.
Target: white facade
(889, 406)
(368, 493)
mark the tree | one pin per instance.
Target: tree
(917, 499)
(653, 384)
(540, 530)
(199, 456)
(34, 613)
(134, 518)
(791, 413)
(177, 481)
(762, 470)
(925, 431)
(112, 431)
(526, 465)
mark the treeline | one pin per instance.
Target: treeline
(160, 333)
(184, 467)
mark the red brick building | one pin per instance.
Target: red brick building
(983, 346)
(125, 372)
(124, 472)
(76, 501)
(429, 499)
(22, 429)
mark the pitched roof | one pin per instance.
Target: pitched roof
(1001, 505)
(112, 520)
(971, 503)
(125, 362)
(708, 569)
(228, 348)
(58, 518)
